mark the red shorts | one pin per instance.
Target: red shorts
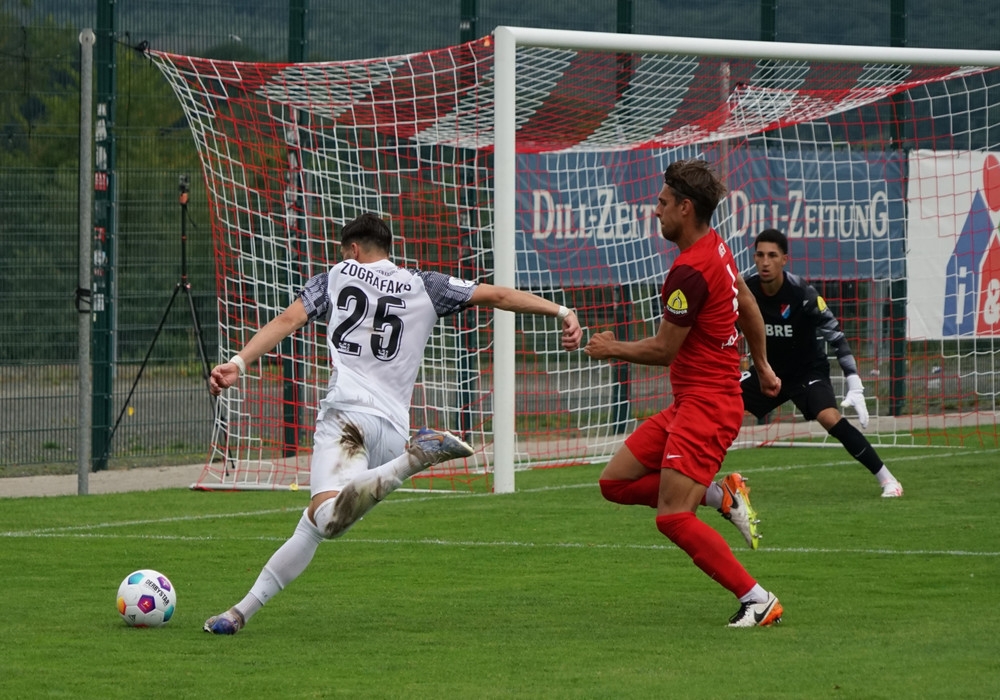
(691, 436)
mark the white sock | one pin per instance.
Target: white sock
(402, 468)
(250, 604)
(884, 476)
(757, 594)
(413, 465)
(284, 566)
(713, 496)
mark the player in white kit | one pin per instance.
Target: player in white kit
(379, 318)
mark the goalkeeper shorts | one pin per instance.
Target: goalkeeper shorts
(810, 394)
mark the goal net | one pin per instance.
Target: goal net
(533, 158)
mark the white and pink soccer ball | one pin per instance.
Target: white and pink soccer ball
(146, 598)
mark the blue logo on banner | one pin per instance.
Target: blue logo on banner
(962, 274)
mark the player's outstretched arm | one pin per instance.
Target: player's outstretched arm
(266, 339)
(509, 299)
(658, 350)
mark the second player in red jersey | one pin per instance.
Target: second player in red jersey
(671, 458)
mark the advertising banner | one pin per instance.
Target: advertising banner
(587, 219)
(953, 256)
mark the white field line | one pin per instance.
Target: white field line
(508, 544)
(87, 531)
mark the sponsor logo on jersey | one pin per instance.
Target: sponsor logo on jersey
(778, 330)
(786, 310)
(821, 303)
(677, 303)
(456, 282)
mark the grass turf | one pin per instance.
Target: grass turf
(550, 592)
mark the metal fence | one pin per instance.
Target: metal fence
(168, 418)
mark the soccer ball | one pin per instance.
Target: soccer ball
(146, 598)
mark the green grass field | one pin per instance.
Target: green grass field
(550, 592)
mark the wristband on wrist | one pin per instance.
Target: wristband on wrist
(562, 313)
(238, 361)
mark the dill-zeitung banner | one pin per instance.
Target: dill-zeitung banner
(586, 219)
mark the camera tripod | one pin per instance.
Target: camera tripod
(183, 285)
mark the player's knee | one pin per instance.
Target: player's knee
(639, 492)
(828, 418)
(326, 518)
(307, 526)
(615, 490)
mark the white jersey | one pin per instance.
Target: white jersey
(379, 318)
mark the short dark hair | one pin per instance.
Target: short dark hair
(694, 179)
(772, 235)
(367, 230)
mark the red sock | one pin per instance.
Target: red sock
(708, 549)
(644, 491)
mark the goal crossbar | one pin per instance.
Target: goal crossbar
(735, 48)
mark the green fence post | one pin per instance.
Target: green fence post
(621, 294)
(624, 16)
(467, 21)
(897, 23)
(897, 293)
(768, 20)
(466, 322)
(293, 370)
(105, 222)
(297, 30)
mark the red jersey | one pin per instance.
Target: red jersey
(700, 292)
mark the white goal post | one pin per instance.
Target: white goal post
(532, 157)
(509, 39)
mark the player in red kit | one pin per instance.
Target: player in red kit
(671, 458)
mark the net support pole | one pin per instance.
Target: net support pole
(504, 258)
(86, 209)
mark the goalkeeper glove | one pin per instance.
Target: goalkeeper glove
(856, 397)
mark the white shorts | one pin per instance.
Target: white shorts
(337, 457)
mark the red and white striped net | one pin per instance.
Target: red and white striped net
(857, 163)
